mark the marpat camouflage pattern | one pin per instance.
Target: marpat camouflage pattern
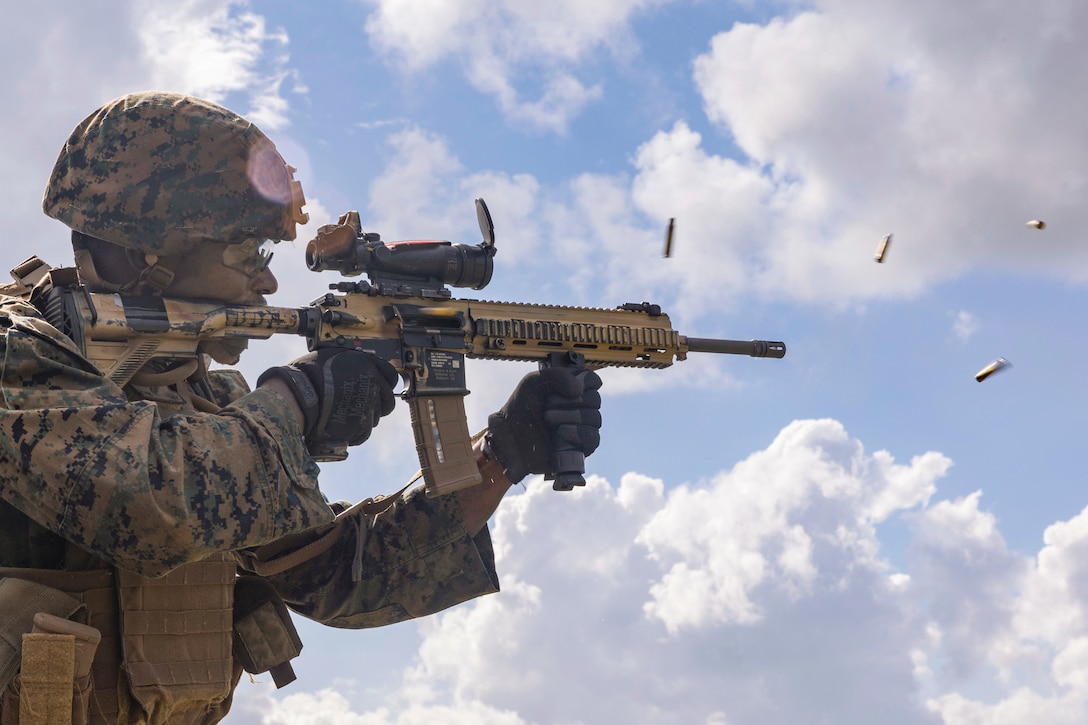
(92, 477)
(164, 172)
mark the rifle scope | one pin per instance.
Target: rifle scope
(350, 251)
(458, 265)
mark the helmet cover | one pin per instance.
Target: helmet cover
(163, 173)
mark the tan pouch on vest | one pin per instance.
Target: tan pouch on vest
(265, 638)
(46, 679)
(85, 640)
(94, 697)
(176, 637)
(45, 691)
(20, 600)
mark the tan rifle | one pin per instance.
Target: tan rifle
(406, 315)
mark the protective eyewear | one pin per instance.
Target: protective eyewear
(250, 257)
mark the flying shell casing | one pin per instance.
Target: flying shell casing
(998, 364)
(1037, 223)
(883, 248)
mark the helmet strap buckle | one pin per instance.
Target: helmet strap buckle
(155, 277)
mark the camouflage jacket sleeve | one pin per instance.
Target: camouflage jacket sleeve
(144, 492)
(413, 559)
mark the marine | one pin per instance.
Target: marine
(157, 535)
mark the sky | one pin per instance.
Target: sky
(859, 532)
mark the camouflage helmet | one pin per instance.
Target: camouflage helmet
(163, 173)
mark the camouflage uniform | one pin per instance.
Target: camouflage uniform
(141, 490)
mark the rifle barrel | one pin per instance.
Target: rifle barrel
(755, 348)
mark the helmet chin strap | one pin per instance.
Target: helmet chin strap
(89, 275)
(153, 279)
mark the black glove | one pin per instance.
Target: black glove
(342, 393)
(549, 409)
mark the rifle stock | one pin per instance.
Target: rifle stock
(409, 320)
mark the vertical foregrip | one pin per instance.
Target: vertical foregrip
(568, 465)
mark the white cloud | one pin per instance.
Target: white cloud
(949, 127)
(852, 122)
(964, 325)
(411, 196)
(212, 48)
(900, 122)
(1012, 628)
(759, 595)
(505, 47)
(961, 565)
(424, 191)
(329, 707)
(1056, 604)
(747, 531)
(74, 56)
(593, 624)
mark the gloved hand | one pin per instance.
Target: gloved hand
(342, 393)
(549, 409)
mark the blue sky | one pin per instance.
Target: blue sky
(858, 528)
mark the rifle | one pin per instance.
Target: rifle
(406, 315)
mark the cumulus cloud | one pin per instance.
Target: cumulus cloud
(758, 595)
(511, 50)
(636, 604)
(424, 191)
(218, 49)
(964, 570)
(213, 48)
(849, 122)
(1009, 627)
(723, 543)
(948, 126)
